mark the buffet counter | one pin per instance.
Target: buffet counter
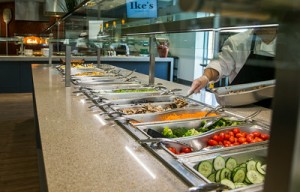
(81, 151)
(15, 71)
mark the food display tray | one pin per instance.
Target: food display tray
(259, 154)
(244, 94)
(159, 117)
(156, 107)
(199, 142)
(113, 86)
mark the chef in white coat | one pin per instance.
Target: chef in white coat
(245, 58)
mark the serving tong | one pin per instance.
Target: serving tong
(208, 187)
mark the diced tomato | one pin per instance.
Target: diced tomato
(231, 133)
(238, 135)
(245, 142)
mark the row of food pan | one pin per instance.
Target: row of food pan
(187, 129)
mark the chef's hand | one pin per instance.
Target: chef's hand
(198, 84)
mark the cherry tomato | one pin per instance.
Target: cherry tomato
(226, 136)
(222, 136)
(186, 150)
(212, 142)
(249, 138)
(256, 134)
(216, 137)
(227, 145)
(244, 134)
(242, 140)
(232, 139)
(264, 136)
(258, 139)
(238, 135)
(172, 149)
(236, 130)
(225, 142)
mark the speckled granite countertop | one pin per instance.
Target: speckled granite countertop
(83, 152)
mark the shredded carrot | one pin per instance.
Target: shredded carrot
(174, 116)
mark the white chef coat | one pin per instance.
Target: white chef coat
(235, 52)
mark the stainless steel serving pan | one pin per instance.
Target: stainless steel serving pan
(189, 124)
(244, 94)
(132, 90)
(241, 156)
(93, 83)
(143, 100)
(199, 143)
(161, 117)
(116, 96)
(113, 86)
(154, 107)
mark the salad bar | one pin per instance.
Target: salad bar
(107, 117)
(206, 147)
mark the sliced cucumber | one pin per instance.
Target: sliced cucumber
(243, 165)
(218, 178)
(219, 163)
(239, 176)
(259, 169)
(247, 180)
(205, 168)
(231, 163)
(264, 167)
(212, 177)
(225, 173)
(239, 185)
(255, 177)
(228, 183)
(251, 165)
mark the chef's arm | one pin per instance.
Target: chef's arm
(209, 75)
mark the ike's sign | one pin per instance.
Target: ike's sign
(141, 8)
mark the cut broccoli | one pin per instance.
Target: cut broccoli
(168, 132)
(179, 132)
(191, 132)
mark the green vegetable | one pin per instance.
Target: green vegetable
(168, 132)
(179, 132)
(191, 132)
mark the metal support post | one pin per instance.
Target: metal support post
(152, 59)
(284, 147)
(68, 66)
(98, 57)
(50, 52)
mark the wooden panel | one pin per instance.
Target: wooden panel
(18, 155)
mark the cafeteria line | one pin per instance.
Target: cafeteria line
(120, 113)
